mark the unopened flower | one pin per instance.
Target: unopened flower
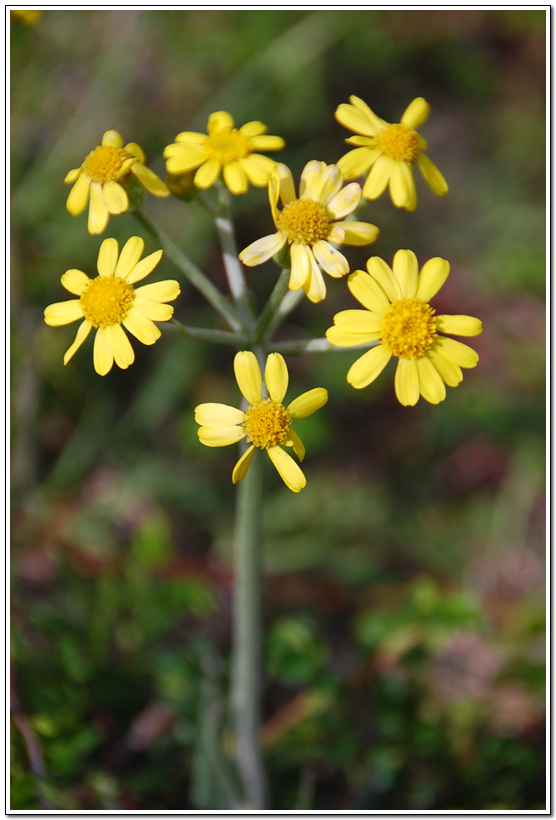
(110, 302)
(309, 224)
(266, 423)
(387, 152)
(397, 315)
(100, 181)
(226, 150)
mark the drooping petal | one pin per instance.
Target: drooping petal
(129, 257)
(378, 178)
(242, 466)
(262, 249)
(220, 436)
(115, 198)
(432, 175)
(63, 313)
(308, 403)
(368, 292)
(143, 268)
(406, 271)
(345, 201)
(330, 260)
(141, 326)
(406, 382)
(300, 266)
(457, 352)
(248, 376)
(165, 291)
(103, 356)
(82, 332)
(276, 376)
(75, 281)
(98, 212)
(156, 311)
(431, 385)
(78, 196)
(149, 180)
(358, 233)
(121, 346)
(416, 113)
(359, 321)
(297, 444)
(459, 325)
(290, 472)
(315, 286)
(212, 414)
(370, 365)
(433, 275)
(402, 186)
(107, 257)
(235, 178)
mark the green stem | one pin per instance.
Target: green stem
(203, 334)
(247, 636)
(271, 309)
(232, 265)
(191, 272)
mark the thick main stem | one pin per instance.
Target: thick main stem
(247, 637)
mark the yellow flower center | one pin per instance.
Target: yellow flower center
(106, 164)
(409, 328)
(267, 424)
(399, 142)
(227, 145)
(304, 221)
(107, 301)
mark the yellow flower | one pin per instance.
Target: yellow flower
(100, 179)
(110, 301)
(388, 151)
(30, 17)
(398, 315)
(227, 150)
(309, 224)
(266, 423)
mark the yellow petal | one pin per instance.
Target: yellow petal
(330, 260)
(115, 198)
(207, 174)
(82, 332)
(103, 356)
(359, 233)
(431, 385)
(290, 472)
(212, 414)
(78, 196)
(63, 313)
(384, 276)
(121, 346)
(195, 137)
(432, 175)
(149, 180)
(135, 151)
(357, 162)
(345, 201)
(267, 142)
(416, 113)
(253, 129)
(235, 178)
(308, 403)
(378, 178)
(370, 365)
(402, 186)
(368, 292)
(286, 185)
(456, 352)
(340, 337)
(448, 370)
(433, 275)
(257, 169)
(359, 321)
(300, 266)
(184, 157)
(242, 466)
(220, 436)
(129, 257)
(406, 382)
(297, 444)
(113, 139)
(98, 212)
(356, 120)
(107, 257)
(406, 270)
(143, 268)
(218, 121)
(72, 175)
(165, 291)
(141, 327)
(459, 325)
(314, 287)
(248, 376)
(276, 376)
(262, 250)
(75, 281)
(154, 310)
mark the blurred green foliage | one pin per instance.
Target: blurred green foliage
(404, 592)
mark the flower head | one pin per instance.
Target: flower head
(266, 423)
(100, 180)
(111, 301)
(224, 150)
(309, 224)
(388, 151)
(399, 317)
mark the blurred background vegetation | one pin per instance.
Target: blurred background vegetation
(404, 588)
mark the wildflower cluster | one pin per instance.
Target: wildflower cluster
(311, 223)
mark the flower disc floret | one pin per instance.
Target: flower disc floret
(409, 328)
(267, 424)
(304, 222)
(106, 163)
(227, 146)
(399, 143)
(106, 301)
